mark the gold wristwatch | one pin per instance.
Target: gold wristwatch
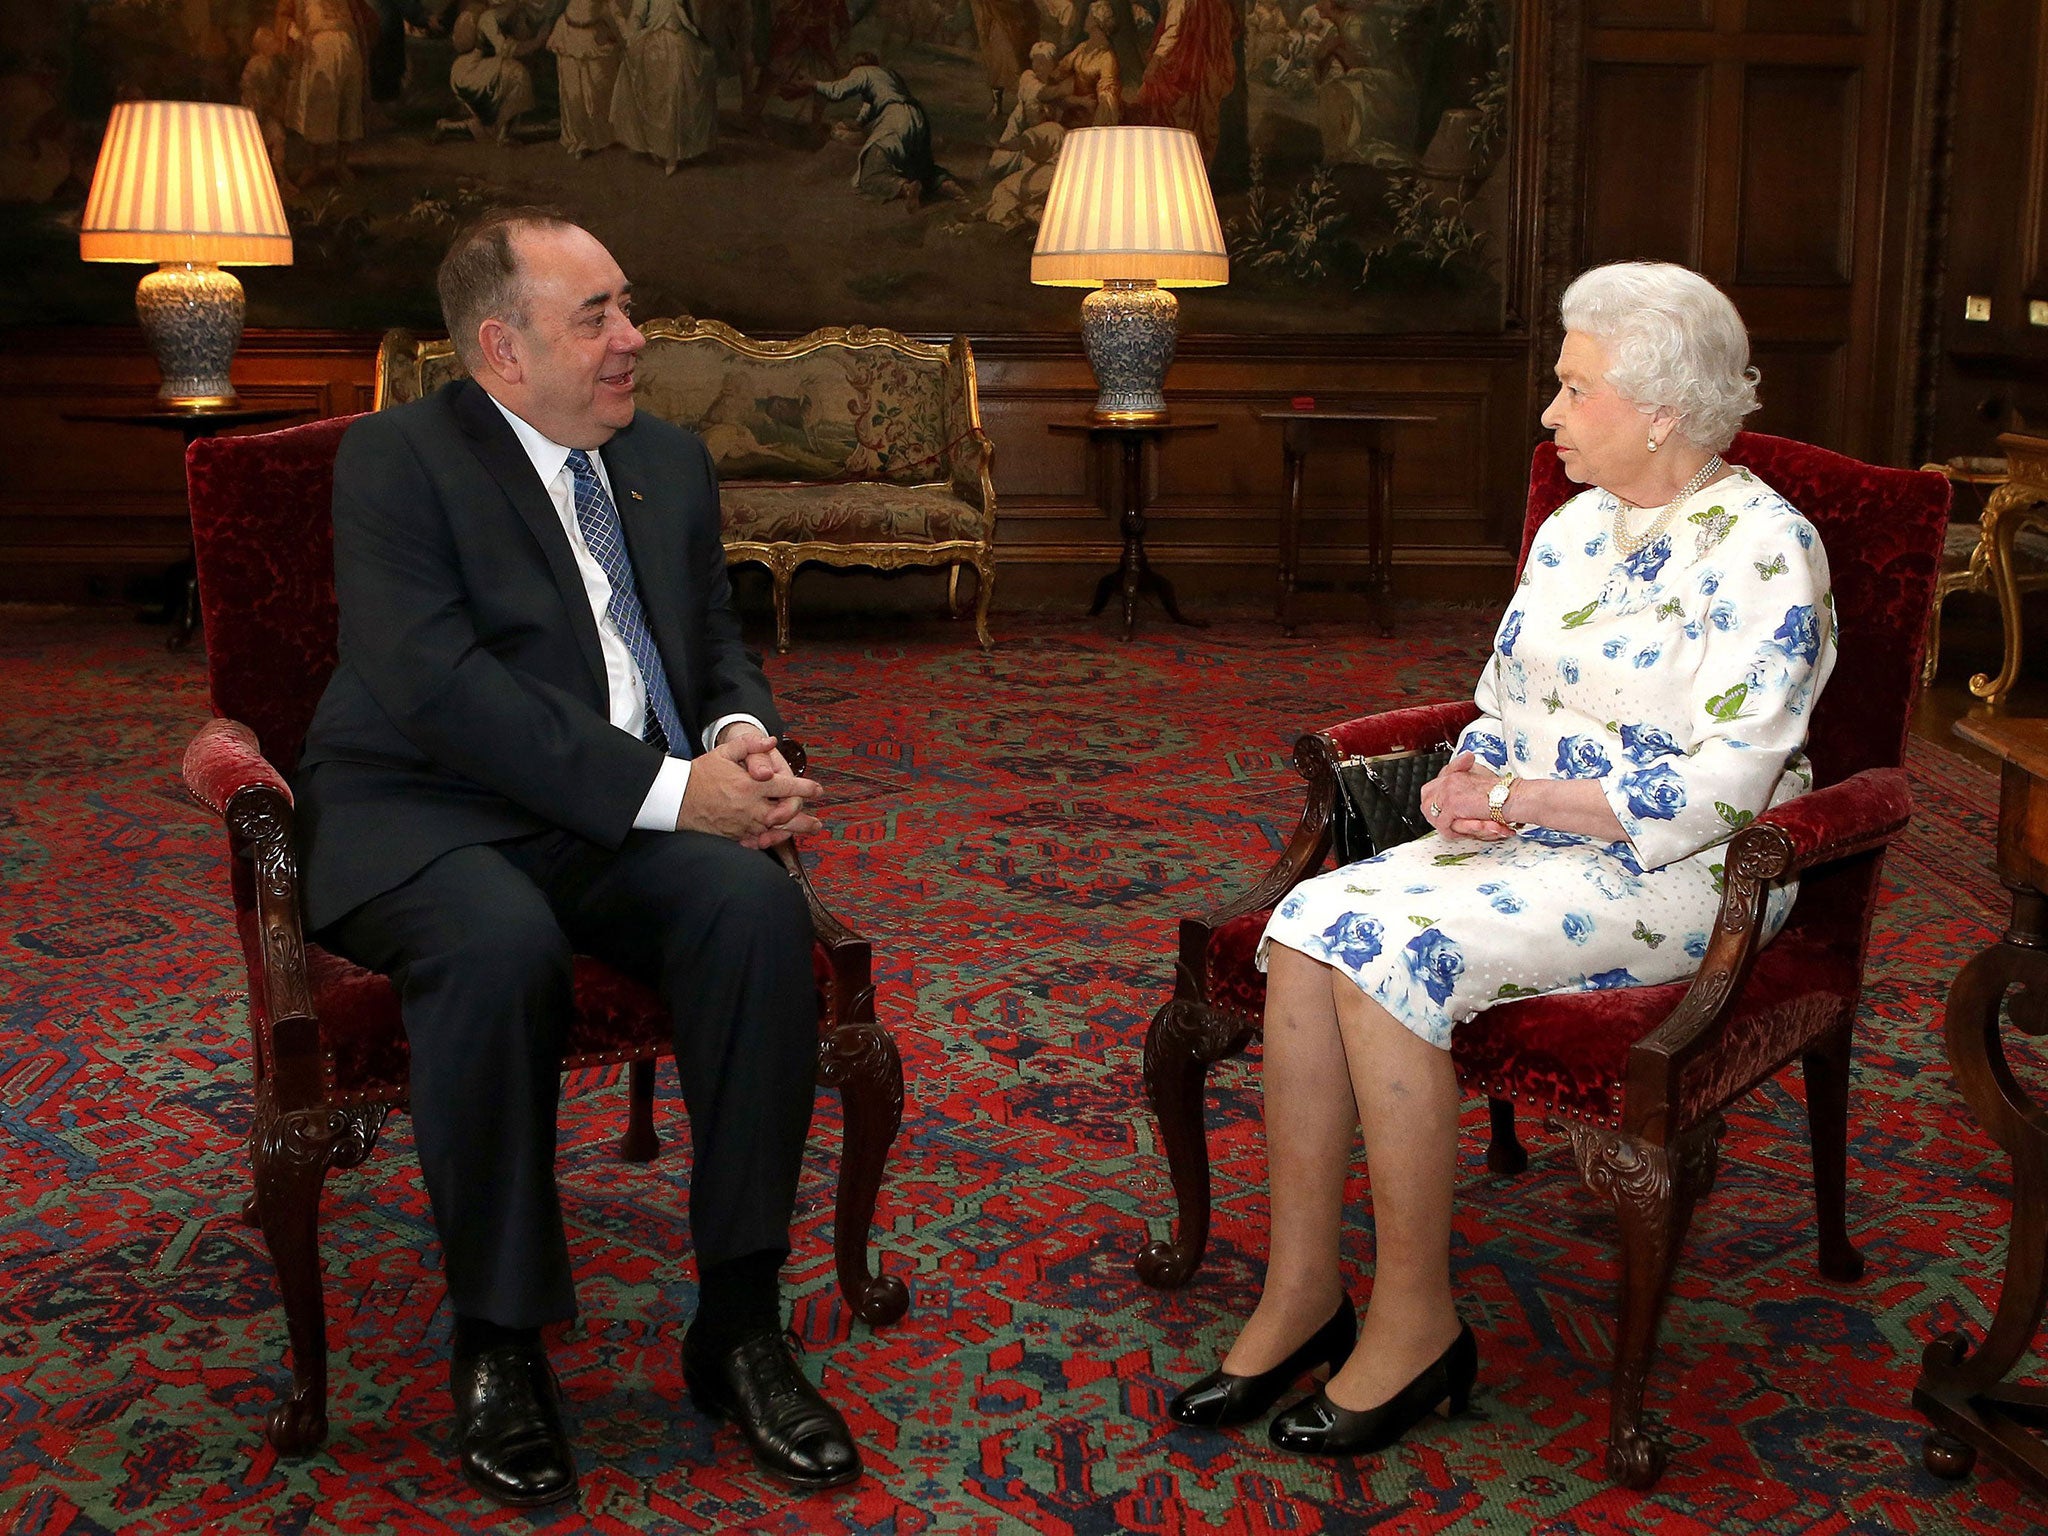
(1497, 800)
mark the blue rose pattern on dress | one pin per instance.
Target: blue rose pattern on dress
(1656, 792)
(1353, 940)
(1580, 757)
(1643, 742)
(1680, 680)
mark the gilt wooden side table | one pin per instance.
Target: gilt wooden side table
(2021, 502)
(1963, 1392)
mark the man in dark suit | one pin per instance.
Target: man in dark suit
(544, 736)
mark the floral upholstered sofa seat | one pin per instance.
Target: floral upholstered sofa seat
(851, 446)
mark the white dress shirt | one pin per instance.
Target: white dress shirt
(627, 692)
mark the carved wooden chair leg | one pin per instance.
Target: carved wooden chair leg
(1654, 1190)
(1931, 662)
(984, 585)
(1185, 1040)
(1827, 1117)
(782, 575)
(1504, 1153)
(290, 1155)
(861, 1061)
(953, 589)
(640, 1144)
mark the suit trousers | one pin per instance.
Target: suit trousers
(479, 945)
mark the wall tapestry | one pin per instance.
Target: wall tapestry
(781, 164)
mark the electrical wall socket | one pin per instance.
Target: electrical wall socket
(2037, 311)
(1977, 307)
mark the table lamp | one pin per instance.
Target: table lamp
(1130, 216)
(186, 184)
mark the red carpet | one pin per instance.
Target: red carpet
(1017, 832)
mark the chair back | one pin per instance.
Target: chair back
(263, 540)
(1883, 531)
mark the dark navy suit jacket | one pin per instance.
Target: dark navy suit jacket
(469, 704)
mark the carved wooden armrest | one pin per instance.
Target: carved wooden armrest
(1860, 814)
(226, 772)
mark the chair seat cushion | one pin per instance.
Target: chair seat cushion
(617, 1018)
(848, 512)
(1566, 1053)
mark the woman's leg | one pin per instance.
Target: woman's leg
(1407, 1096)
(1310, 1121)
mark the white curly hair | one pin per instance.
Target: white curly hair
(1673, 340)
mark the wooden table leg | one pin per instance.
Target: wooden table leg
(1379, 552)
(1291, 464)
(1962, 1392)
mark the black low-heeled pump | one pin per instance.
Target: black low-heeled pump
(1220, 1399)
(1318, 1427)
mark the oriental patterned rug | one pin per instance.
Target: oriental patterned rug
(1017, 833)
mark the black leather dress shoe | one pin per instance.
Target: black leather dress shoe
(1318, 1427)
(796, 1436)
(1220, 1399)
(508, 1425)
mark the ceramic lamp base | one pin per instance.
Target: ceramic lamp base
(191, 314)
(1129, 329)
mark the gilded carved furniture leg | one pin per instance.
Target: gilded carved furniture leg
(640, 1144)
(1504, 1154)
(953, 589)
(782, 575)
(1827, 1117)
(1185, 1040)
(291, 1153)
(2003, 515)
(984, 587)
(1932, 661)
(861, 1061)
(1654, 1190)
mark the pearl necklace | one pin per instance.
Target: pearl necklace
(1629, 543)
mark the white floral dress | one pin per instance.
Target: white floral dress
(1681, 678)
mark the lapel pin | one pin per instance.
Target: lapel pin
(636, 495)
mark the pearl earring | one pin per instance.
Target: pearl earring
(1653, 442)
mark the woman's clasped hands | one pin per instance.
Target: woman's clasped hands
(1454, 802)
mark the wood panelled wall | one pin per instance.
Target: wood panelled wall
(1991, 237)
(1790, 149)
(1761, 142)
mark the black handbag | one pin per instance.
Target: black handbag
(1379, 804)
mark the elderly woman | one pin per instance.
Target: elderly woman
(1648, 693)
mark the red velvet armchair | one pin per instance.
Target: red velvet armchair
(1638, 1078)
(329, 1054)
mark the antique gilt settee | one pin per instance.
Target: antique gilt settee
(851, 446)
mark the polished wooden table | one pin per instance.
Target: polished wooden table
(1134, 573)
(1964, 1393)
(181, 607)
(2022, 500)
(1369, 432)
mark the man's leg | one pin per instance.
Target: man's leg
(482, 969)
(724, 933)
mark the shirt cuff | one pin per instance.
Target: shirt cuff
(711, 731)
(664, 802)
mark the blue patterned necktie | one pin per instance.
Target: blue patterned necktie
(599, 520)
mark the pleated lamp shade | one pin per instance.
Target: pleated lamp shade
(1130, 204)
(184, 181)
